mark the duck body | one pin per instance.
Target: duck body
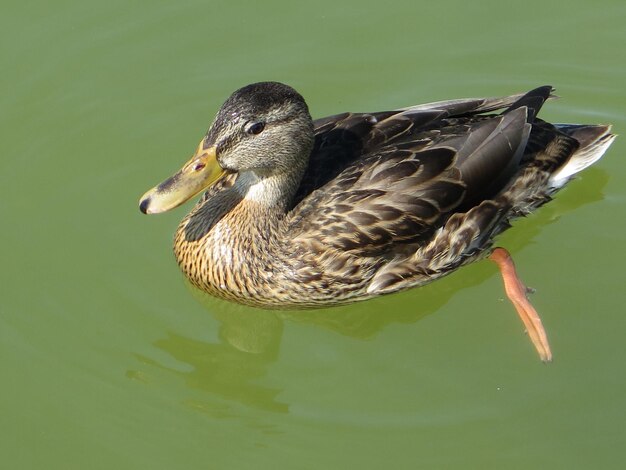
(319, 213)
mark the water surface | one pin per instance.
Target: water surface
(110, 360)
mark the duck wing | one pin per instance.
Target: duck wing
(381, 179)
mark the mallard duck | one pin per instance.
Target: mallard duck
(300, 213)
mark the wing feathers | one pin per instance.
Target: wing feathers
(379, 179)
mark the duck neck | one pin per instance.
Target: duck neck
(267, 193)
(273, 191)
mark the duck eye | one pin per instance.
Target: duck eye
(255, 128)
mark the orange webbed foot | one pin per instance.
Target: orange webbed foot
(516, 292)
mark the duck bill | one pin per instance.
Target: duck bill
(196, 175)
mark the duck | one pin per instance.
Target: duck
(301, 213)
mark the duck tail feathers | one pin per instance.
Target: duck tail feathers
(593, 141)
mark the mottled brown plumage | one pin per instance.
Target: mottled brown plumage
(356, 205)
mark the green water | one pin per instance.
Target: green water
(109, 360)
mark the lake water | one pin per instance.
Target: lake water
(108, 358)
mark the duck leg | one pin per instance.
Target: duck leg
(516, 292)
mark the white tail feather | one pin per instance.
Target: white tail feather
(581, 159)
